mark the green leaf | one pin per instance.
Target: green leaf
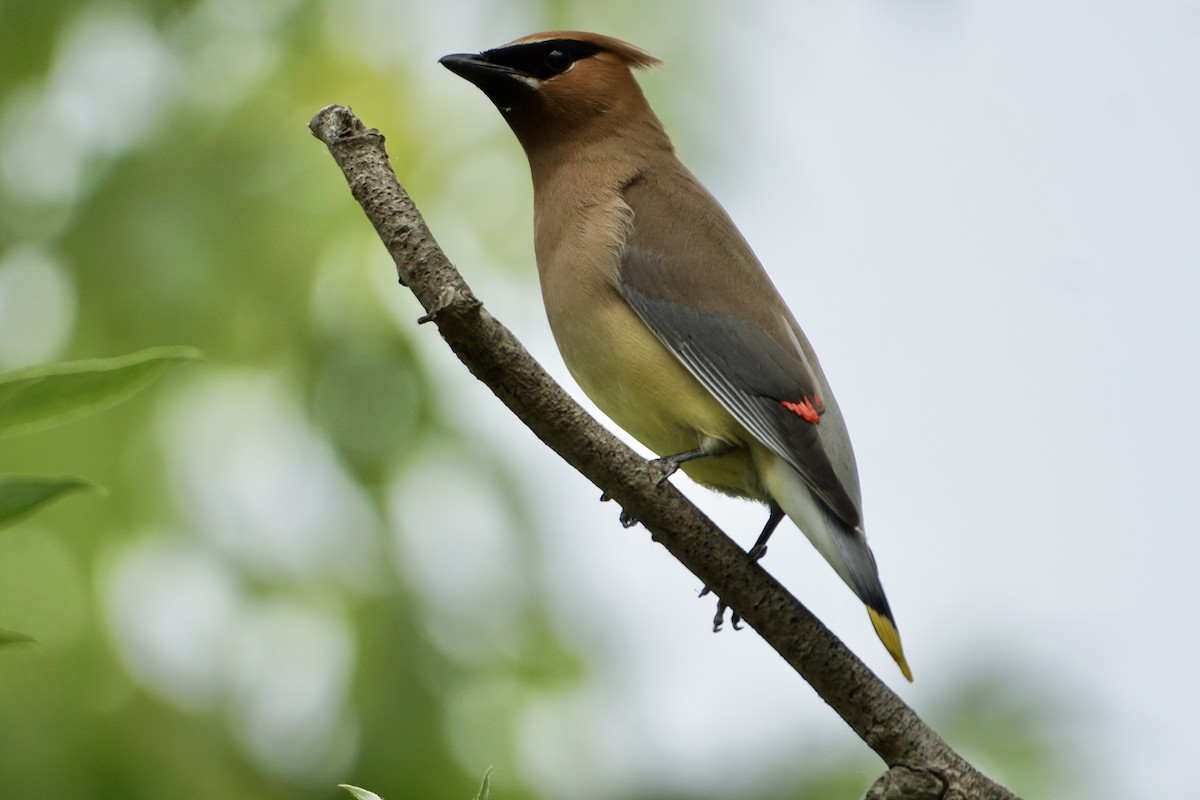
(21, 494)
(14, 637)
(47, 395)
(485, 790)
(363, 794)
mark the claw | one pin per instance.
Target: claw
(627, 519)
(667, 467)
(756, 553)
(719, 619)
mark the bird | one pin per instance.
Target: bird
(660, 309)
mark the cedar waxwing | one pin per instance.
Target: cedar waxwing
(660, 309)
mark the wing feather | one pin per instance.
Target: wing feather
(711, 317)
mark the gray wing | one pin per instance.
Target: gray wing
(734, 334)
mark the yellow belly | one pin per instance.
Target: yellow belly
(636, 381)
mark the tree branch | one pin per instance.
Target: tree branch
(923, 765)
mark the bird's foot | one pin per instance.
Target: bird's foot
(760, 546)
(756, 552)
(627, 519)
(719, 618)
(667, 466)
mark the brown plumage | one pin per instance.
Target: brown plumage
(659, 307)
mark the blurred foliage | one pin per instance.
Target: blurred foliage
(240, 617)
(21, 495)
(363, 794)
(359, 793)
(157, 183)
(48, 395)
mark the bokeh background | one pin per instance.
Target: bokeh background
(326, 555)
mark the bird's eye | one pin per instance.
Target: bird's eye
(558, 61)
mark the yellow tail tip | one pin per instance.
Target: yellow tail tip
(887, 633)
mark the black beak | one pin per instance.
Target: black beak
(506, 87)
(476, 69)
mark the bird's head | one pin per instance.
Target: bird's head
(551, 86)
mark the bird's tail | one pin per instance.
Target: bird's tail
(844, 548)
(885, 629)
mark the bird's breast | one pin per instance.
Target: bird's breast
(632, 377)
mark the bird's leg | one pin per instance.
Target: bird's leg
(669, 465)
(708, 447)
(760, 545)
(756, 552)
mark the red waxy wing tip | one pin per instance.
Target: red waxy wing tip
(809, 409)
